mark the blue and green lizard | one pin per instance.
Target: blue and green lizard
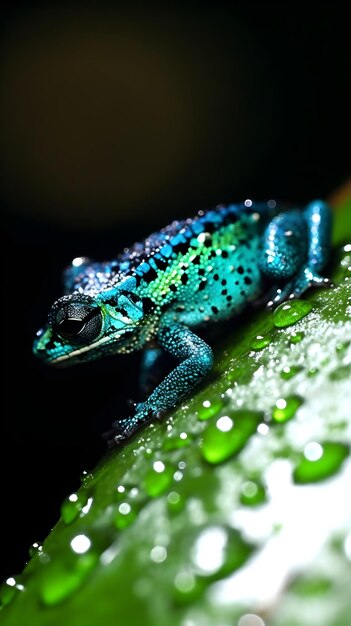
(156, 294)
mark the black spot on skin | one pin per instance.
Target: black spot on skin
(213, 254)
(208, 243)
(184, 279)
(224, 254)
(181, 247)
(229, 298)
(148, 305)
(196, 261)
(201, 272)
(224, 282)
(202, 285)
(150, 275)
(240, 269)
(249, 270)
(215, 277)
(51, 345)
(173, 288)
(242, 293)
(214, 309)
(123, 312)
(209, 227)
(236, 282)
(133, 297)
(247, 280)
(161, 263)
(224, 292)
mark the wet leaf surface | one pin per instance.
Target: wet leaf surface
(252, 473)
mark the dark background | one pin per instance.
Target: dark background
(115, 122)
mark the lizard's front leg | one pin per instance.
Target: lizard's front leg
(196, 359)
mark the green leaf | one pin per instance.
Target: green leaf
(236, 503)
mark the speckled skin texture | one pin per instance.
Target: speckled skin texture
(192, 273)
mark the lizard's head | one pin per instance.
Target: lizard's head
(82, 327)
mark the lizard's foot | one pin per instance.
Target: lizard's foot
(296, 287)
(123, 429)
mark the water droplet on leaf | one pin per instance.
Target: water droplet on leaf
(289, 372)
(60, 580)
(321, 466)
(10, 588)
(285, 408)
(158, 479)
(289, 313)
(228, 435)
(210, 409)
(72, 506)
(259, 342)
(252, 493)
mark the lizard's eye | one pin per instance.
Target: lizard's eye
(76, 322)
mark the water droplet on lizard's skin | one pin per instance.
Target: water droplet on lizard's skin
(72, 506)
(210, 409)
(319, 461)
(252, 493)
(10, 588)
(158, 479)
(259, 342)
(35, 548)
(226, 436)
(285, 408)
(289, 313)
(289, 372)
(60, 580)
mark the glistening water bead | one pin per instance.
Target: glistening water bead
(125, 515)
(226, 436)
(320, 462)
(260, 342)
(210, 408)
(218, 551)
(289, 313)
(158, 479)
(289, 372)
(252, 493)
(215, 553)
(72, 506)
(296, 337)
(285, 408)
(9, 589)
(60, 580)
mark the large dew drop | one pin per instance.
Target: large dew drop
(226, 436)
(289, 313)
